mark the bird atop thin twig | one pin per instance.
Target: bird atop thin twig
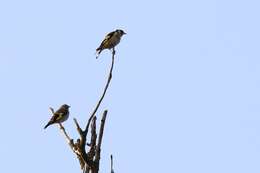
(110, 41)
(61, 115)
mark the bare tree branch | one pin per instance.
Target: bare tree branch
(104, 91)
(89, 161)
(92, 149)
(69, 140)
(100, 136)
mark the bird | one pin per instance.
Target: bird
(61, 115)
(110, 41)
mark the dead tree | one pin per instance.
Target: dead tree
(88, 154)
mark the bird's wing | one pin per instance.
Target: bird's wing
(108, 36)
(57, 116)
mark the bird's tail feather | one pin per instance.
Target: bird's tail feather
(49, 123)
(98, 51)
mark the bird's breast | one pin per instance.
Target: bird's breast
(114, 41)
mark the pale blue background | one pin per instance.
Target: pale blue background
(184, 96)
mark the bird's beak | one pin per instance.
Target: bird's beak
(124, 33)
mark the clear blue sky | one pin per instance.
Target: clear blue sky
(184, 96)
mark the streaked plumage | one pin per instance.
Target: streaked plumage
(110, 41)
(61, 115)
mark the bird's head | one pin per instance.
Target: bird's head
(120, 32)
(66, 106)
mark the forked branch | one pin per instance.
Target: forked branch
(89, 161)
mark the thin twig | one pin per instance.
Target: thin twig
(104, 92)
(69, 140)
(77, 126)
(52, 110)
